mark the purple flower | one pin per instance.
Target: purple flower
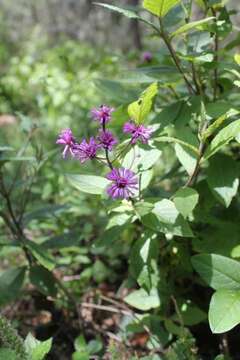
(86, 150)
(66, 138)
(107, 140)
(138, 132)
(147, 56)
(124, 181)
(102, 114)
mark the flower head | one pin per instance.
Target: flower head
(147, 56)
(102, 114)
(66, 138)
(124, 182)
(138, 132)
(86, 150)
(107, 140)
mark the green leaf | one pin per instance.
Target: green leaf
(218, 271)
(186, 157)
(224, 310)
(11, 282)
(36, 349)
(194, 24)
(80, 343)
(237, 58)
(144, 251)
(40, 253)
(224, 136)
(217, 123)
(141, 159)
(94, 346)
(191, 313)
(138, 110)
(43, 280)
(185, 200)
(177, 141)
(159, 8)
(141, 300)
(80, 355)
(90, 184)
(8, 354)
(166, 218)
(126, 12)
(223, 181)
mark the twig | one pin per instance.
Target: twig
(216, 47)
(107, 308)
(17, 230)
(225, 347)
(106, 149)
(178, 312)
(175, 58)
(202, 147)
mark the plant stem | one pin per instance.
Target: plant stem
(14, 225)
(202, 147)
(216, 47)
(196, 81)
(106, 149)
(175, 58)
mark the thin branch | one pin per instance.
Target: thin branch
(216, 48)
(107, 308)
(106, 149)
(175, 58)
(202, 147)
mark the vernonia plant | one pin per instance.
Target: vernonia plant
(190, 116)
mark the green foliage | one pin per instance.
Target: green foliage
(37, 350)
(136, 270)
(90, 184)
(185, 200)
(159, 8)
(192, 25)
(12, 346)
(224, 311)
(139, 110)
(11, 282)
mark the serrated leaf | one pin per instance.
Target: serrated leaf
(126, 12)
(90, 184)
(219, 272)
(223, 181)
(185, 200)
(141, 300)
(194, 24)
(218, 122)
(11, 282)
(138, 110)
(224, 310)
(159, 8)
(224, 136)
(177, 141)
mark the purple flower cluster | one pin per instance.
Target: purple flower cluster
(102, 114)
(124, 182)
(138, 132)
(147, 56)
